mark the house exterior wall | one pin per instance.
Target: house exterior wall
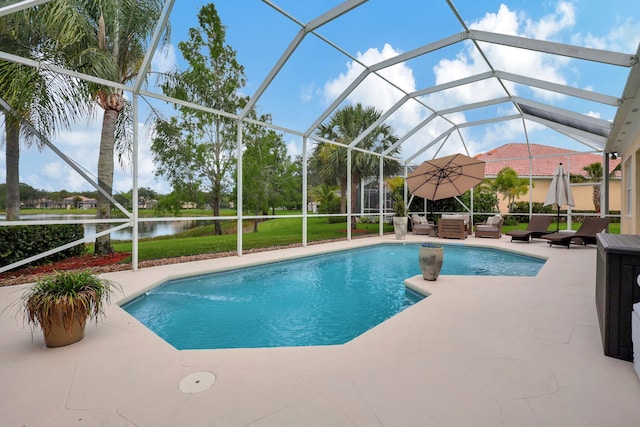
(629, 219)
(582, 195)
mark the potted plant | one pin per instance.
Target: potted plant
(61, 303)
(430, 257)
(400, 219)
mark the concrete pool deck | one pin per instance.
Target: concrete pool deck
(480, 351)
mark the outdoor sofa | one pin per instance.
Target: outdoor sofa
(454, 226)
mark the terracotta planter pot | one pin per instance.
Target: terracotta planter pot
(56, 335)
(430, 262)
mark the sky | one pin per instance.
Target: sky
(377, 30)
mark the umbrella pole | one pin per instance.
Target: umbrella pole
(558, 221)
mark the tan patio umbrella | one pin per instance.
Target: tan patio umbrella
(559, 191)
(445, 177)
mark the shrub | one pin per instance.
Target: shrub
(368, 219)
(23, 241)
(536, 207)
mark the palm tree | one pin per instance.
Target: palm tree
(330, 161)
(510, 185)
(47, 101)
(594, 173)
(122, 32)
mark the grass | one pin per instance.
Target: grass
(273, 232)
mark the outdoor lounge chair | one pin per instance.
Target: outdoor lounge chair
(420, 225)
(492, 227)
(536, 228)
(585, 235)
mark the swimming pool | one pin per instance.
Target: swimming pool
(318, 300)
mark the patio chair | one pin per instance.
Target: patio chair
(421, 225)
(492, 227)
(536, 228)
(584, 235)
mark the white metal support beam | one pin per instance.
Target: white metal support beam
(410, 133)
(16, 7)
(553, 48)
(153, 45)
(559, 88)
(595, 121)
(311, 26)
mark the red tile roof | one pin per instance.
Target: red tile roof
(504, 156)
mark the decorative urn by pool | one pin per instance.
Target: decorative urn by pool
(430, 256)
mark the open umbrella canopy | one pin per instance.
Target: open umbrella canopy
(559, 191)
(445, 177)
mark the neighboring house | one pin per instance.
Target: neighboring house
(541, 169)
(147, 203)
(79, 202)
(42, 204)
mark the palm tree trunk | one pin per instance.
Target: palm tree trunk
(355, 180)
(105, 179)
(596, 198)
(12, 128)
(343, 195)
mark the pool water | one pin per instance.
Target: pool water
(319, 300)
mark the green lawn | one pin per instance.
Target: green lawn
(273, 232)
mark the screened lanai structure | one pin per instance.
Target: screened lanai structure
(446, 76)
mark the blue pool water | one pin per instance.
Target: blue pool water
(318, 300)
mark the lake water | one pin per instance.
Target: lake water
(145, 229)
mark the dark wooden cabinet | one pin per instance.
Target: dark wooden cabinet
(617, 289)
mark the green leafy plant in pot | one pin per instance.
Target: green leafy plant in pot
(400, 219)
(61, 304)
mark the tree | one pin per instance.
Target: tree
(198, 147)
(43, 33)
(266, 170)
(510, 185)
(329, 161)
(327, 199)
(122, 33)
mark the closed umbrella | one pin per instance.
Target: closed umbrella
(559, 191)
(445, 177)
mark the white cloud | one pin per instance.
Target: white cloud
(622, 37)
(123, 181)
(306, 92)
(45, 170)
(376, 92)
(468, 61)
(294, 149)
(544, 29)
(164, 60)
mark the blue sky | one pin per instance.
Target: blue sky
(377, 30)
